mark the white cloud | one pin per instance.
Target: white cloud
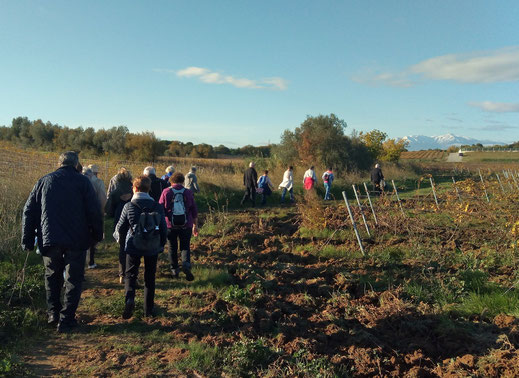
(208, 76)
(485, 67)
(501, 65)
(497, 107)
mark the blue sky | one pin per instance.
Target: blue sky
(240, 72)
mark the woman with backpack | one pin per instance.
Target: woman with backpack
(142, 221)
(182, 219)
(265, 187)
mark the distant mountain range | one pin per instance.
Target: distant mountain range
(422, 142)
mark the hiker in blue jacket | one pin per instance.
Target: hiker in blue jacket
(328, 178)
(134, 214)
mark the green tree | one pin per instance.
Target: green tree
(374, 141)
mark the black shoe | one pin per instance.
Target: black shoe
(128, 309)
(53, 319)
(189, 275)
(149, 313)
(65, 326)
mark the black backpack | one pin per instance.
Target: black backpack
(146, 232)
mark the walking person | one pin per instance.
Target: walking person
(309, 178)
(142, 221)
(182, 221)
(191, 182)
(99, 188)
(377, 178)
(157, 184)
(328, 178)
(64, 213)
(121, 193)
(169, 172)
(287, 184)
(265, 187)
(250, 181)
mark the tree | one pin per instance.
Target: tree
(144, 146)
(392, 149)
(374, 141)
(321, 140)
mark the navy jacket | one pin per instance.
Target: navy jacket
(130, 217)
(63, 211)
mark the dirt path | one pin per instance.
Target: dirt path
(454, 157)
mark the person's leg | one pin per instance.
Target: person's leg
(150, 269)
(75, 273)
(245, 196)
(292, 194)
(283, 193)
(122, 261)
(173, 235)
(263, 199)
(130, 277)
(253, 196)
(327, 191)
(91, 255)
(185, 240)
(54, 265)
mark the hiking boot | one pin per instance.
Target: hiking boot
(150, 313)
(66, 326)
(128, 309)
(189, 275)
(53, 319)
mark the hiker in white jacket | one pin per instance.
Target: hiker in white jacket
(287, 184)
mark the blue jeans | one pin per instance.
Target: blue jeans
(291, 191)
(327, 187)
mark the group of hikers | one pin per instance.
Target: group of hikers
(263, 184)
(63, 217)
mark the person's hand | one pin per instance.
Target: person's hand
(195, 230)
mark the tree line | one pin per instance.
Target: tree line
(319, 140)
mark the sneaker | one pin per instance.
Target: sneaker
(128, 309)
(121, 279)
(175, 272)
(189, 275)
(53, 319)
(93, 266)
(66, 326)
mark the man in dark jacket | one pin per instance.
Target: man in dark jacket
(127, 225)
(250, 181)
(157, 184)
(377, 177)
(64, 213)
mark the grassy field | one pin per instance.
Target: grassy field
(489, 156)
(285, 290)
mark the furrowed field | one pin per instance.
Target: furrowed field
(285, 290)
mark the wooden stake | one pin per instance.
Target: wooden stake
(484, 187)
(457, 191)
(434, 193)
(361, 212)
(500, 184)
(370, 204)
(398, 198)
(353, 223)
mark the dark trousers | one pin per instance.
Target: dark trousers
(56, 261)
(250, 194)
(122, 257)
(182, 236)
(91, 254)
(130, 279)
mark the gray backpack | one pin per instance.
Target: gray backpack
(146, 232)
(178, 215)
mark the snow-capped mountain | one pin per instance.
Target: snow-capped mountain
(422, 142)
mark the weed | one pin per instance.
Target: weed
(246, 357)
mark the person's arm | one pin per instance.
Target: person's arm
(195, 184)
(30, 220)
(194, 214)
(123, 224)
(163, 227)
(93, 211)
